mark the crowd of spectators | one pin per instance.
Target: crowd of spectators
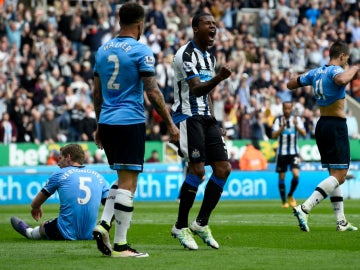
(47, 55)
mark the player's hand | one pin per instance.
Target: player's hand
(295, 121)
(225, 71)
(223, 132)
(36, 213)
(97, 139)
(174, 133)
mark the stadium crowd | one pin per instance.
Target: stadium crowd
(47, 55)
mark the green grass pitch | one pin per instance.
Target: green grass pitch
(252, 235)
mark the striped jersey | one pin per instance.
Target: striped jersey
(288, 139)
(190, 62)
(120, 63)
(322, 80)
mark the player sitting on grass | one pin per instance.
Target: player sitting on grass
(81, 190)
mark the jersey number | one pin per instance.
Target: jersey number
(319, 91)
(86, 189)
(111, 85)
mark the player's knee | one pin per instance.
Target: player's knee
(222, 170)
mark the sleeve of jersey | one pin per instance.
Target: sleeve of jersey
(189, 67)
(146, 62)
(276, 124)
(305, 79)
(51, 185)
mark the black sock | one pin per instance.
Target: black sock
(294, 184)
(187, 195)
(211, 198)
(282, 192)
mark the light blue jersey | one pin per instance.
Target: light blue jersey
(325, 90)
(120, 63)
(80, 191)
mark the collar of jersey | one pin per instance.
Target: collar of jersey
(204, 54)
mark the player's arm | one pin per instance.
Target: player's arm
(294, 82)
(346, 76)
(98, 100)
(299, 128)
(199, 88)
(157, 100)
(97, 96)
(37, 202)
(277, 128)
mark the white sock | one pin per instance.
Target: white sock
(33, 233)
(337, 202)
(123, 210)
(324, 188)
(108, 211)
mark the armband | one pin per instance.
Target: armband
(298, 81)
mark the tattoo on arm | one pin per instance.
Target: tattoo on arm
(156, 98)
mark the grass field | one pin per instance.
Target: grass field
(252, 235)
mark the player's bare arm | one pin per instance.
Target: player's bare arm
(347, 76)
(98, 100)
(199, 88)
(36, 210)
(97, 96)
(157, 100)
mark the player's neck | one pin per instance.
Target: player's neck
(129, 32)
(198, 44)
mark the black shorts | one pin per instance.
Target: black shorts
(52, 231)
(201, 140)
(124, 146)
(283, 162)
(332, 139)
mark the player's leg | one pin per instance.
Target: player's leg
(295, 170)
(217, 157)
(101, 230)
(281, 168)
(192, 148)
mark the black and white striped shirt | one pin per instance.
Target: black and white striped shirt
(288, 139)
(189, 62)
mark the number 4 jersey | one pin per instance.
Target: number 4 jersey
(120, 63)
(80, 192)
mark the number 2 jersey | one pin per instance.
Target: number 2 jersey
(120, 63)
(190, 62)
(80, 191)
(321, 78)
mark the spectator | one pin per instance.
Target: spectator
(87, 125)
(234, 162)
(8, 130)
(53, 157)
(352, 124)
(50, 128)
(252, 159)
(156, 16)
(265, 20)
(154, 158)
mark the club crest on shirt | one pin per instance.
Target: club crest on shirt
(149, 60)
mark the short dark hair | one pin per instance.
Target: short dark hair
(75, 151)
(130, 13)
(337, 48)
(196, 18)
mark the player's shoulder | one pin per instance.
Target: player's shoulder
(185, 51)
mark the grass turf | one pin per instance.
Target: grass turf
(252, 235)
